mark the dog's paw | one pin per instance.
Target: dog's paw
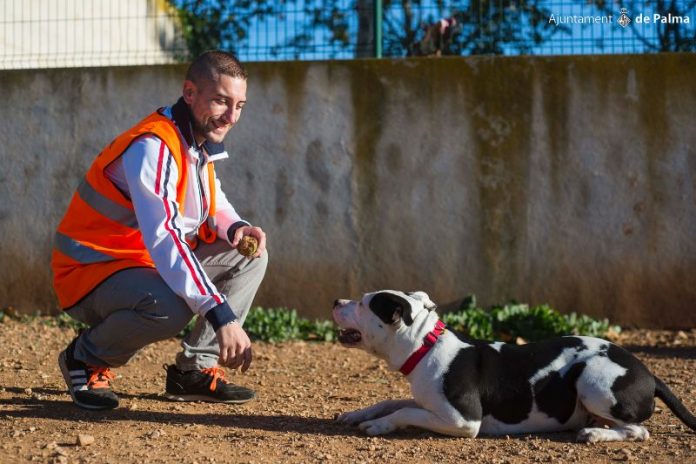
(631, 432)
(638, 433)
(591, 435)
(377, 427)
(351, 418)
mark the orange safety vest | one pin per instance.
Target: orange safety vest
(99, 233)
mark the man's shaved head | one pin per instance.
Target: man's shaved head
(208, 67)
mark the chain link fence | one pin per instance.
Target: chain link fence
(70, 33)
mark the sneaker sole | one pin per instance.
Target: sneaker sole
(66, 377)
(207, 399)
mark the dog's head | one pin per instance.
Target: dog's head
(378, 318)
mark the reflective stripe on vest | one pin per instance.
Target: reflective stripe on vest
(79, 252)
(107, 207)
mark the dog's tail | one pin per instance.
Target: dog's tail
(663, 392)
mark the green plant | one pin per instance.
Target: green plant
(62, 320)
(470, 319)
(279, 325)
(282, 324)
(189, 327)
(514, 320)
(273, 324)
(506, 322)
(318, 330)
(9, 312)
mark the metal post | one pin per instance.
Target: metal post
(378, 28)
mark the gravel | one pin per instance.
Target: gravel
(301, 387)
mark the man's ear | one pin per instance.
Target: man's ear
(189, 91)
(390, 307)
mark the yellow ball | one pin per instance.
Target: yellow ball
(247, 246)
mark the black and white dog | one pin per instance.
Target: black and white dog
(464, 387)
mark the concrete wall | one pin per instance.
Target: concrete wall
(562, 180)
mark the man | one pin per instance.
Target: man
(149, 240)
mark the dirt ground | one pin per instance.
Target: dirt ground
(301, 387)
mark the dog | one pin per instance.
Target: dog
(464, 387)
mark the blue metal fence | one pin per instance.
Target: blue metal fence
(57, 33)
(511, 27)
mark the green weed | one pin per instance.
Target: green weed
(62, 320)
(279, 325)
(501, 322)
(507, 322)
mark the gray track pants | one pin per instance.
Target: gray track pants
(135, 307)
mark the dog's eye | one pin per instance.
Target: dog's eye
(380, 326)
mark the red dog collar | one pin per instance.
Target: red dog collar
(428, 342)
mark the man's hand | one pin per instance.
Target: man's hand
(256, 232)
(235, 346)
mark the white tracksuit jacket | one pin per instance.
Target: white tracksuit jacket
(147, 174)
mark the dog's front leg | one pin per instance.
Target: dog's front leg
(377, 410)
(422, 418)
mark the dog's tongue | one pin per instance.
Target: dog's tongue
(349, 336)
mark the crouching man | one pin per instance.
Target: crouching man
(148, 242)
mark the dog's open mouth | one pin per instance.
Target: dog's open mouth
(349, 336)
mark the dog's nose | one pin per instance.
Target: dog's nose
(337, 302)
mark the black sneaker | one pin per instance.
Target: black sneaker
(204, 385)
(89, 386)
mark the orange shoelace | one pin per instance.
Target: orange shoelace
(100, 377)
(216, 373)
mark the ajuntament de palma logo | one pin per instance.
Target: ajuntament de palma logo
(623, 19)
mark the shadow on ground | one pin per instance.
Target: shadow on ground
(64, 410)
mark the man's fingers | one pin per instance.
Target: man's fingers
(226, 357)
(235, 347)
(247, 359)
(238, 234)
(222, 359)
(234, 357)
(237, 361)
(262, 243)
(242, 360)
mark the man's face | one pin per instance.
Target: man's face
(216, 106)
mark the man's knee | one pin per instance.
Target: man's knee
(260, 263)
(251, 270)
(165, 312)
(255, 270)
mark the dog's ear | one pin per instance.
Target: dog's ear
(425, 299)
(390, 307)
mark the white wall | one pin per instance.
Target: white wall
(70, 33)
(568, 181)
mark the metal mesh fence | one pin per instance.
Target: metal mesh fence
(67, 33)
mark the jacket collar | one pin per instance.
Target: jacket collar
(181, 115)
